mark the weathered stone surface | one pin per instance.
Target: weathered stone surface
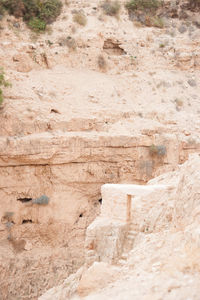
(67, 127)
(164, 259)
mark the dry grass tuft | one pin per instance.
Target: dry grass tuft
(80, 18)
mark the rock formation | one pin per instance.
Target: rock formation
(108, 102)
(163, 260)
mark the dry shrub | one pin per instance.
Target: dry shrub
(80, 18)
(154, 21)
(111, 8)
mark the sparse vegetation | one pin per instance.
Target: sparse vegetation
(156, 22)
(111, 8)
(144, 11)
(80, 18)
(36, 13)
(68, 41)
(159, 150)
(147, 5)
(43, 200)
(3, 83)
(37, 24)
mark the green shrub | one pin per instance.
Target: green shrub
(37, 13)
(3, 83)
(150, 5)
(49, 10)
(37, 24)
(111, 8)
(145, 11)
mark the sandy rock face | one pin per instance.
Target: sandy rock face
(163, 261)
(88, 106)
(96, 277)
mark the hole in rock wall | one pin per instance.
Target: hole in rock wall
(53, 110)
(81, 215)
(112, 47)
(100, 201)
(24, 200)
(27, 221)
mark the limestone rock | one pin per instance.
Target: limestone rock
(96, 277)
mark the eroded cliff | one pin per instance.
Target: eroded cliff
(69, 124)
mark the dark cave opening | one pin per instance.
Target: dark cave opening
(24, 200)
(27, 221)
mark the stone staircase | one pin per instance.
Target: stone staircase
(128, 245)
(90, 257)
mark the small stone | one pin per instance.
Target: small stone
(192, 82)
(16, 25)
(182, 29)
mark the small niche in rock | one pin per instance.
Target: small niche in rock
(24, 200)
(100, 201)
(26, 221)
(81, 215)
(55, 111)
(112, 47)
